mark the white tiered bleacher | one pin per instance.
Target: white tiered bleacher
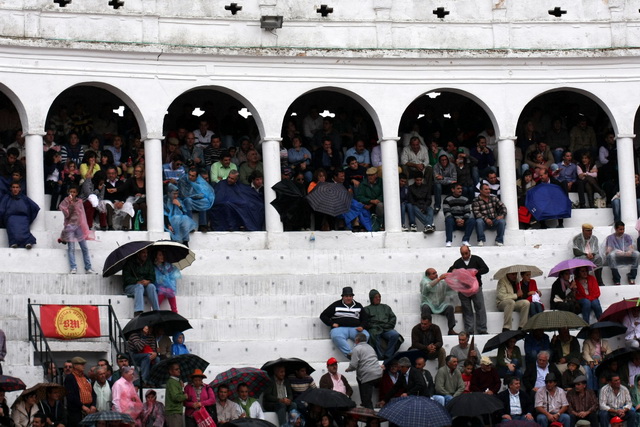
(253, 297)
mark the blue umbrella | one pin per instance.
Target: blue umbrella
(548, 201)
(415, 411)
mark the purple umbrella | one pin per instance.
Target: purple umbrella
(571, 264)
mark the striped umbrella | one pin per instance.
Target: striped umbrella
(8, 383)
(256, 379)
(415, 411)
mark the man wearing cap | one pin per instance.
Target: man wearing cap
(615, 401)
(370, 194)
(334, 381)
(81, 399)
(583, 403)
(382, 321)
(346, 318)
(121, 360)
(517, 404)
(485, 379)
(427, 338)
(174, 398)
(368, 371)
(551, 403)
(586, 246)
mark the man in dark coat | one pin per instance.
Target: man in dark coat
(468, 261)
(17, 212)
(81, 399)
(523, 411)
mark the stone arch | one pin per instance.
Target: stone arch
(10, 97)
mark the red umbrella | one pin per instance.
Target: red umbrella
(617, 311)
(8, 383)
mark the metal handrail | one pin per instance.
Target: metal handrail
(41, 346)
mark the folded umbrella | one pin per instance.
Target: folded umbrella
(188, 363)
(415, 411)
(291, 365)
(517, 268)
(501, 338)
(326, 398)
(170, 322)
(607, 330)
(330, 198)
(473, 405)
(255, 379)
(548, 201)
(571, 264)
(550, 320)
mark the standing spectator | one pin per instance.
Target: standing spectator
(174, 398)
(199, 395)
(516, 402)
(17, 212)
(619, 250)
(81, 399)
(427, 338)
(449, 380)
(457, 215)
(587, 293)
(102, 388)
(583, 403)
(485, 379)
(278, 397)
(368, 371)
(551, 403)
(509, 298)
(76, 230)
(382, 321)
(152, 414)
(334, 381)
(53, 167)
(346, 318)
(615, 401)
(139, 276)
(468, 261)
(435, 293)
(582, 138)
(490, 213)
(125, 396)
(445, 175)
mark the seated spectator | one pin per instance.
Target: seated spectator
(346, 318)
(570, 374)
(485, 160)
(72, 150)
(516, 402)
(588, 182)
(558, 139)
(227, 410)
(551, 403)
(17, 213)
(326, 157)
(106, 159)
(509, 362)
(178, 347)
(360, 153)
(213, 152)
(192, 153)
(390, 377)
(615, 401)
(467, 374)
(301, 381)
(427, 338)
(587, 293)
(220, 170)
(354, 173)
(293, 419)
(538, 155)
(138, 277)
(237, 207)
(493, 182)
(252, 164)
(328, 133)
(534, 378)
(530, 292)
(89, 165)
(419, 198)
(594, 349)
(534, 342)
(508, 298)
(249, 405)
(457, 215)
(582, 138)
(382, 321)
(299, 158)
(567, 172)
(464, 164)
(256, 181)
(412, 381)
(335, 381)
(197, 196)
(436, 298)
(448, 380)
(53, 177)
(172, 172)
(52, 407)
(143, 346)
(135, 188)
(485, 379)
(444, 176)
(170, 147)
(152, 414)
(490, 213)
(119, 210)
(25, 409)
(564, 347)
(583, 403)
(615, 202)
(271, 398)
(176, 219)
(370, 194)
(619, 250)
(120, 153)
(406, 209)
(415, 160)
(563, 293)
(202, 135)
(465, 351)
(199, 395)
(546, 178)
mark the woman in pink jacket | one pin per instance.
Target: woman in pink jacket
(198, 395)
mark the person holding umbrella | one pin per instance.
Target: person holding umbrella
(139, 277)
(143, 346)
(279, 386)
(563, 293)
(25, 408)
(198, 395)
(510, 361)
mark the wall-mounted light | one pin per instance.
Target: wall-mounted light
(62, 3)
(233, 8)
(116, 4)
(271, 22)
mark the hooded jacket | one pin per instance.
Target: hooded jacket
(178, 349)
(381, 317)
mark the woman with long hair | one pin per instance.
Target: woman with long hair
(588, 180)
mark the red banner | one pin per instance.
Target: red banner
(70, 322)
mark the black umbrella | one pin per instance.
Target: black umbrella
(188, 363)
(473, 405)
(501, 338)
(330, 198)
(607, 330)
(175, 253)
(250, 422)
(290, 203)
(412, 355)
(621, 355)
(290, 364)
(170, 322)
(106, 416)
(326, 398)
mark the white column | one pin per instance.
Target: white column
(390, 184)
(153, 182)
(626, 177)
(508, 193)
(272, 175)
(35, 177)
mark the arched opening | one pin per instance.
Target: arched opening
(217, 132)
(9, 121)
(568, 133)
